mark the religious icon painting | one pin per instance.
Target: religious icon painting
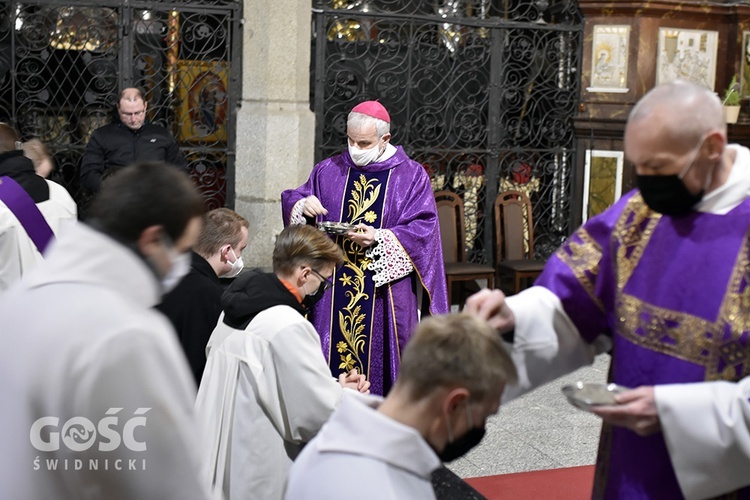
(609, 59)
(687, 55)
(204, 101)
(745, 77)
(602, 181)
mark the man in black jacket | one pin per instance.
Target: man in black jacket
(127, 141)
(194, 305)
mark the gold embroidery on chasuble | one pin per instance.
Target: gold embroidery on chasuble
(674, 333)
(732, 354)
(583, 259)
(722, 346)
(631, 234)
(354, 297)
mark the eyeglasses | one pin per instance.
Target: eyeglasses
(134, 114)
(326, 282)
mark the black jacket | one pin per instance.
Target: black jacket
(252, 293)
(194, 307)
(116, 146)
(19, 168)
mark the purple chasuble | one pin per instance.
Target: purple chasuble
(673, 292)
(360, 325)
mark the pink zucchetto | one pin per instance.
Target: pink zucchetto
(374, 109)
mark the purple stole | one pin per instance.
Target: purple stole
(353, 293)
(673, 293)
(23, 207)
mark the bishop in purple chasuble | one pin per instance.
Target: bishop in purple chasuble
(673, 292)
(362, 325)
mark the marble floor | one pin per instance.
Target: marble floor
(540, 430)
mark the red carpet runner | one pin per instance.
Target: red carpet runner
(571, 483)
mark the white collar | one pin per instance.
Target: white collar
(356, 421)
(735, 190)
(389, 151)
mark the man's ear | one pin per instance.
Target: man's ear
(224, 252)
(150, 239)
(716, 143)
(387, 138)
(455, 398)
(303, 274)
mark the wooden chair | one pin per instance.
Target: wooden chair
(453, 235)
(514, 240)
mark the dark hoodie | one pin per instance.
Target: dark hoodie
(19, 168)
(253, 292)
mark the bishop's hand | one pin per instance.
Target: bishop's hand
(313, 207)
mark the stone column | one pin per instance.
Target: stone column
(275, 127)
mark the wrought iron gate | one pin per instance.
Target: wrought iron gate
(481, 92)
(62, 65)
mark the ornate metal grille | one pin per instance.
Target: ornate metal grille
(67, 62)
(482, 93)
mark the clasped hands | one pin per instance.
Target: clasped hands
(362, 234)
(353, 380)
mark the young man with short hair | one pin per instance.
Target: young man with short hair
(98, 396)
(194, 305)
(453, 372)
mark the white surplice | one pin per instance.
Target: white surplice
(265, 392)
(81, 343)
(361, 453)
(18, 254)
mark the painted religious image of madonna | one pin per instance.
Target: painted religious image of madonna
(208, 104)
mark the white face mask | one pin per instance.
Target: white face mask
(237, 266)
(180, 266)
(362, 157)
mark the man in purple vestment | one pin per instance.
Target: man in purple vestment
(393, 254)
(663, 279)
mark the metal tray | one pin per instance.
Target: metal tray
(585, 395)
(332, 227)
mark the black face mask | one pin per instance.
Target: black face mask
(456, 448)
(461, 446)
(667, 194)
(310, 300)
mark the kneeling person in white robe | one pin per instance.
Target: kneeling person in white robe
(266, 389)
(453, 372)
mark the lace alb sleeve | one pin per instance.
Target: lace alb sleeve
(297, 217)
(389, 260)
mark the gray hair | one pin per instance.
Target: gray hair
(359, 120)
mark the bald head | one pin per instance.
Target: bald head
(677, 131)
(132, 108)
(679, 111)
(131, 94)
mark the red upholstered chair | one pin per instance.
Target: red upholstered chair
(450, 208)
(514, 240)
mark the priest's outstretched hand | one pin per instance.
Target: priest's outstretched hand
(490, 305)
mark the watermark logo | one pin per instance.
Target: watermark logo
(81, 434)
